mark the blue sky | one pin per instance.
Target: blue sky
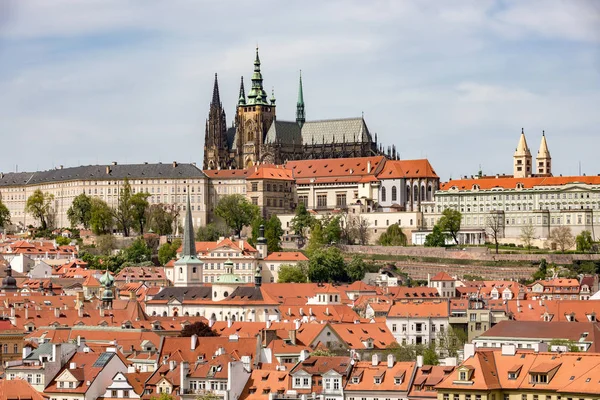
(95, 81)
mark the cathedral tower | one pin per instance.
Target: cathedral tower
(522, 159)
(253, 119)
(543, 159)
(216, 153)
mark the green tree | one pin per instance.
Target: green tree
(163, 396)
(273, 233)
(39, 204)
(450, 341)
(105, 244)
(568, 344)
(302, 221)
(450, 222)
(80, 212)
(139, 210)
(137, 252)
(322, 353)
(208, 396)
(159, 220)
(123, 214)
(317, 239)
(4, 215)
(168, 251)
(101, 217)
(327, 265)
(332, 230)
(393, 236)
(584, 241)
(430, 356)
(356, 268)
(198, 328)
(211, 232)
(437, 238)
(236, 211)
(406, 352)
(62, 241)
(542, 271)
(293, 273)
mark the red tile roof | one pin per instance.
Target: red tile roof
(396, 169)
(511, 182)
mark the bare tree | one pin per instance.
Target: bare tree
(494, 226)
(527, 235)
(563, 237)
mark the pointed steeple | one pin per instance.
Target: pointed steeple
(522, 148)
(300, 113)
(189, 240)
(543, 159)
(242, 96)
(522, 159)
(272, 100)
(216, 99)
(257, 94)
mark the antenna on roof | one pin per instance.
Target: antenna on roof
(579, 168)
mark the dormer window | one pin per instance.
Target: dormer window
(377, 380)
(463, 376)
(397, 381)
(539, 378)
(355, 379)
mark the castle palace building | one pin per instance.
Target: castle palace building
(257, 137)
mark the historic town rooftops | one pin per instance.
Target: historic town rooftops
(320, 365)
(420, 309)
(336, 169)
(227, 173)
(380, 377)
(286, 256)
(560, 372)
(510, 182)
(83, 367)
(17, 389)
(104, 172)
(272, 172)
(263, 382)
(554, 310)
(398, 169)
(204, 248)
(404, 292)
(426, 377)
(442, 276)
(545, 331)
(182, 294)
(365, 336)
(193, 349)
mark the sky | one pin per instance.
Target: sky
(96, 81)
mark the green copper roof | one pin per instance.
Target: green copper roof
(300, 114)
(242, 96)
(228, 279)
(257, 95)
(106, 279)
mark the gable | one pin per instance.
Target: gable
(66, 376)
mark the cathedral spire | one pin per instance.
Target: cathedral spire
(216, 99)
(189, 240)
(242, 96)
(300, 114)
(257, 94)
(543, 159)
(522, 158)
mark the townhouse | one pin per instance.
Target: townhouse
(512, 374)
(418, 321)
(376, 379)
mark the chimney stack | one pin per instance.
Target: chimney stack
(193, 341)
(375, 360)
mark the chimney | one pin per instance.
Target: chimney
(390, 361)
(241, 244)
(193, 341)
(297, 324)
(419, 361)
(183, 373)
(375, 360)
(229, 323)
(60, 167)
(268, 323)
(172, 365)
(12, 312)
(469, 351)
(369, 167)
(80, 312)
(107, 170)
(57, 312)
(26, 312)
(540, 347)
(174, 164)
(509, 349)
(72, 365)
(303, 355)
(292, 336)
(26, 351)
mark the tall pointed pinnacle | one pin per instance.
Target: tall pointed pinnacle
(257, 94)
(216, 99)
(242, 96)
(189, 240)
(522, 148)
(543, 151)
(300, 113)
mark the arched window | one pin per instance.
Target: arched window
(408, 197)
(394, 193)
(422, 193)
(383, 193)
(416, 193)
(429, 193)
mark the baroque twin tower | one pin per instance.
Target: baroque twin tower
(523, 167)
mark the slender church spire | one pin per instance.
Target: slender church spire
(189, 240)
(216, 98)
(522, 158)
(242, 96)
(257, 94)
(300, 114)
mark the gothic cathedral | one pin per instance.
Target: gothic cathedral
(257, 136)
